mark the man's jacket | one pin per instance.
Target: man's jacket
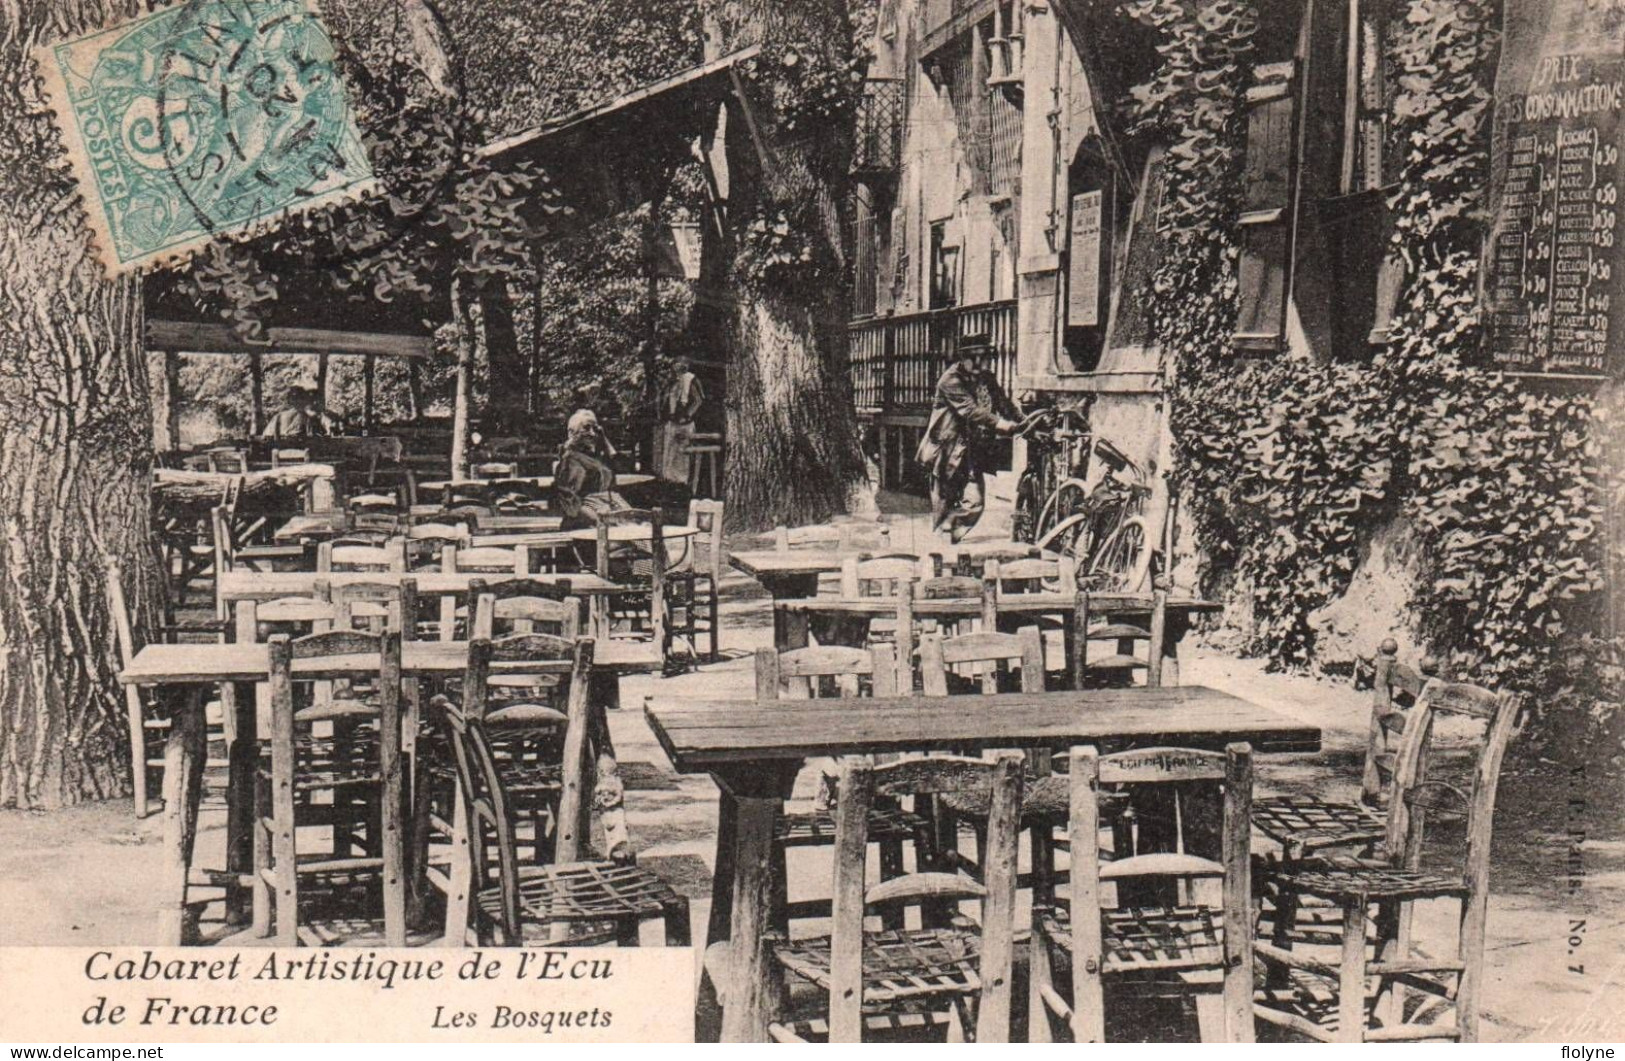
(964, 422)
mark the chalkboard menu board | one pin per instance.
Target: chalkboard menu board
(1552, 284)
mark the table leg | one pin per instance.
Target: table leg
(184, 756)
(242, 756)
(1179, 623)
(721, 919)
(790, 630)
(751, 997)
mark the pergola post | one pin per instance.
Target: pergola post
(172, 398)
(463, 310)
(256, 374)
(368, 366)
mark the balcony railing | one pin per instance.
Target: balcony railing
(895, 361)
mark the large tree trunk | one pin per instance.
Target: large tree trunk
(75, 451)
(793, 443)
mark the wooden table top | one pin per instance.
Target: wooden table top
(181, 664)
(704, 735)
(544, 482)
(633, 532)
(1101, 603)
(331, 524)
(770, 562)
(269, 585)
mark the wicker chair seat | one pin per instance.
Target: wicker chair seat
(1344, 879)
(1043, 800)
(329, 762)
(904, 1026)
(1311, 824)
(583, 891)
(817, 828)
(897, 964)
(1148, 939)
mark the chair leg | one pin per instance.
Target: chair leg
(1393, 943)
(891, 865)
(461, 879)
(781, 888)
(1210, 1026)
(626, 932)
(1041, 978)
(262, 860)
(678, 933)
(1043, 858)
(1351, 984)
(138, 748)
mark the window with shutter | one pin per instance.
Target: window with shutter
(1266, 220)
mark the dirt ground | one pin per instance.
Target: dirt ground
(1556, 951)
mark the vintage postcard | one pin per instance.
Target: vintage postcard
(906, 521)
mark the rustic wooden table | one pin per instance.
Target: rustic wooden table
(754, 752)
(194, 671)
(792, 618)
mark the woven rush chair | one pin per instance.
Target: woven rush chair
(541, 736)
(1045, 800)
(301, 764)
(1364, 994)
(910, 627)
(426, 543)
(1304, 825)
(516, 905)
(147, 718)
(1093, 668)
(641, 567)
(390, 556)
(874, 982)
(694, 587)
(484, 559)
(1201, 947)
(809, 674)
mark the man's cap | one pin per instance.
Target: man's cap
(977, 344)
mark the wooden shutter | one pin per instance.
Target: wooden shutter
(1267, 210)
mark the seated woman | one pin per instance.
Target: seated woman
(583, 481)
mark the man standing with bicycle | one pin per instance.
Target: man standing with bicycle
(970, 413)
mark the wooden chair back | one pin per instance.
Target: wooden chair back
(707, 554)
(485, 801)
(374, 501)
(989, 654)
(465, 493)
(281, 457)
(484, 559)
(1193, 872)
(311, 651)
(1395, 687)
(1036, 574)
(1420, 798)
(526, 656)
(390, 556)
(490, 470)
(527, 615)
(885, 576)
(834, 670)
(466, 512)
(376, 605)
(862, 781)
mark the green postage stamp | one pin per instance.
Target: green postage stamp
(203, 119)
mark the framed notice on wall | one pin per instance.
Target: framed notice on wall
(1083, 281)
(1553, 298)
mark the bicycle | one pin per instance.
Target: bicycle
(1095, 514)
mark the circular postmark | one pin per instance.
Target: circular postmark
(249, 116)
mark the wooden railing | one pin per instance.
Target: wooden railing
(895, 361)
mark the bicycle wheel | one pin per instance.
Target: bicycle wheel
(1069, 500)
(1123, 560)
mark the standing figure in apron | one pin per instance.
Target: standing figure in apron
(678, 409)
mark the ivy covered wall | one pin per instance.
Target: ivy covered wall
(1482, 494)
